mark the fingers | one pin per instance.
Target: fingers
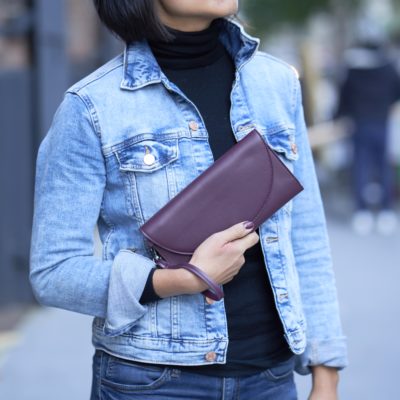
(246, 242)
(236, 231)
(236, 267)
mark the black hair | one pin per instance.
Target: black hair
(132, 20)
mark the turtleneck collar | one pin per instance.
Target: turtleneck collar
(189, 49)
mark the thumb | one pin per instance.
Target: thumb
(237, 231)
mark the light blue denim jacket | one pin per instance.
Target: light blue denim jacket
(91, 170)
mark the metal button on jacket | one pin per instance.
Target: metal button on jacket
(193, 125)
(149, 159)
(211, 356)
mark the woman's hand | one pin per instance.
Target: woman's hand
(325, 381)
(220, 256)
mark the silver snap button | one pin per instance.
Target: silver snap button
(149, 159)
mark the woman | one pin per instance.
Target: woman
(128, 138)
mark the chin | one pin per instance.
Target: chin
(199, 9)
(223, 8)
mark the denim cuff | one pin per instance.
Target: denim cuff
(327, 352)
(128, 278)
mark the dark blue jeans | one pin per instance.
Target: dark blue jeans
(118, 379)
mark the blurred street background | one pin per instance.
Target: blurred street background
(344, 50)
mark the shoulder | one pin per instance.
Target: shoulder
(79, 99)
(106, 75)
(278, 75)
(276, 78)
(275, 65)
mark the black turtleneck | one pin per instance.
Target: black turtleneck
(189, 50)
(201, 67)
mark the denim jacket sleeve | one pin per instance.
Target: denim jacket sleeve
(69, 185)
(326, 344)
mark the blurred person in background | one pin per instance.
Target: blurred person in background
(368, 92)
(125, 140)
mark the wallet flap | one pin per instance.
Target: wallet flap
(235, 188)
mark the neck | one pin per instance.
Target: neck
(187, 24)
(183, 23)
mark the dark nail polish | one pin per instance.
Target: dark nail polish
(249, 225)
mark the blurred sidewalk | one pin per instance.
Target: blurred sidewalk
(368, 274)
(49, 357)
(51, 354)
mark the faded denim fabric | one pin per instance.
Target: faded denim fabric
(91, 170)
(119, 379)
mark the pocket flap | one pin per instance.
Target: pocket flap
(147, 155)
(283, 141)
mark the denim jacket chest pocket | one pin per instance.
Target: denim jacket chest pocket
(282, 142)
(146, 165)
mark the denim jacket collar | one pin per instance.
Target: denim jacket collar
(141, 68)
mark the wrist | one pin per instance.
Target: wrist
(190, 282)
(325, 378)
(174, 282)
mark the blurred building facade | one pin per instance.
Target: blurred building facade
(45, 45)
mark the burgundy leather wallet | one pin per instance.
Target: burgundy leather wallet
(247, 183)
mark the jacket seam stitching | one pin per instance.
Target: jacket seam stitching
(109, 234)
(96, 127)
(96, 78)
(100, 375)
(261, 53)
(295, 98)
(286, 328)
(92, 112)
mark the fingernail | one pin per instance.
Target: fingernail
(248, 225)
(209, 301)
